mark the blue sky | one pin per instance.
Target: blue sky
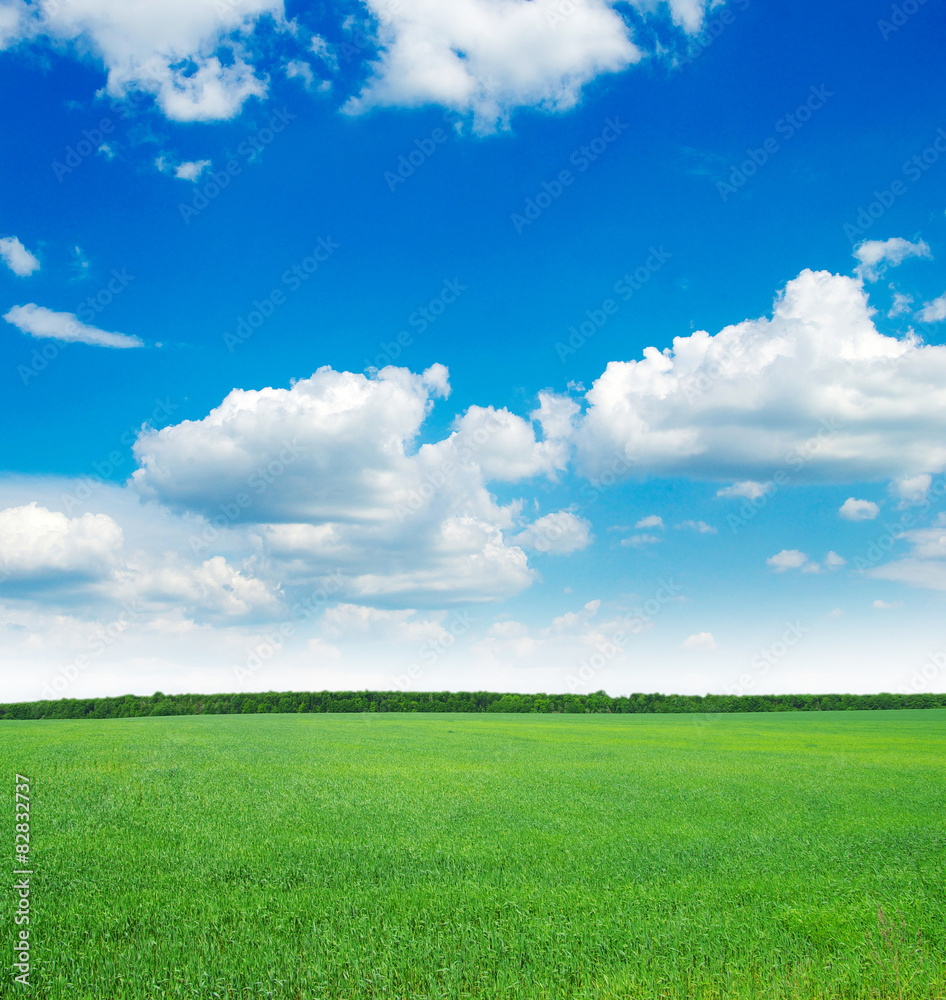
(660, 293)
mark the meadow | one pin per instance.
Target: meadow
(767, 856)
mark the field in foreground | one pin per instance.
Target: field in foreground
(471, 856)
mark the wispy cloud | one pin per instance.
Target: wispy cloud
(38, 321)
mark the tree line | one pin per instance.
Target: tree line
(136, 706)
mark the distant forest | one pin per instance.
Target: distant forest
(135, 706)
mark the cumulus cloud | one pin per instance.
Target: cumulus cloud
(504, 445)
(901, 304)
(40, 544)
(95, 561)
(38, 321)
(793, 559)
(747, 490)
(873, 255)
(201, 59)
(701, 641)
(560, 533)
(816, 391)
(925, 565)
(911, 489)
(212, 587)
(329, 474)
(489, 57)
(651, 521)
(20, 261)
(858, 510)
(635, 541)
(700, 527)
(567, 640)
(194, 56)
(186, 170)
(933, 312)
(357, 623)
(301, 70)
(787, 559)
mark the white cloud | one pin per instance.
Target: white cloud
(933, 312)
(887, 605)
(651, 521)
(201, 59)
(185, 170)
(212, 587)
(357, 623)
(858, 510)
(566, 641)
(787, 559)
(701, 640)
(489, 57)
(911, 489)
(874, 254)
(191, 170)
(194, 56)
(901, 304)
(748, 490)
(328, 472)
(700, 527)
(925, 566)
(38, 321)
(560, 533)
(321, 48)
(504, 445)
(37, 544)
(507, 630)
(637, 540)
(20, 261)
(833, 561)
(816, 392)
(300, 69)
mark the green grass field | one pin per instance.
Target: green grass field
(472, 856)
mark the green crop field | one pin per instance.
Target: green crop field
(485, 856)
